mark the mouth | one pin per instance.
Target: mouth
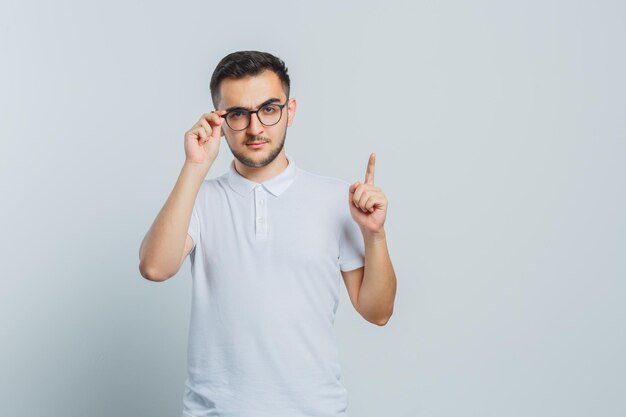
(256, 145)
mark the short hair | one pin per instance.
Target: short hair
(243, 64)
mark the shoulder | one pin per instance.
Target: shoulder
(328, 192)
(210, 184)
(211, 190)
(324, 182)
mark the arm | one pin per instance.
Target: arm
(372, 288)
(166, 243)
(378, 289)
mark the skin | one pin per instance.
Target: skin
(257, 164)
(371, 288)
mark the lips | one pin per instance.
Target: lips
(256, 144)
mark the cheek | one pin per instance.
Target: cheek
(233, 137)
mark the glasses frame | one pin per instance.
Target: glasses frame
(250, 112)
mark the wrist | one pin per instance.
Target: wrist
(195, 171)
(197, 166)
(374, 237)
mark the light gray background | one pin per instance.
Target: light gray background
(500, 137)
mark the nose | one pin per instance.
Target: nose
(255, 127)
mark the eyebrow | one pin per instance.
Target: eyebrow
(268, 101)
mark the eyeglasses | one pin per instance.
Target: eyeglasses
(268, 114)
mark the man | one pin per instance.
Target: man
(267, 241)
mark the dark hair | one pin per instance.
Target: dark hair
(247, 63)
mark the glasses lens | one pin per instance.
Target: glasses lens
(238, 119)
(270, 114)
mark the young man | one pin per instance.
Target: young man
(267, 241)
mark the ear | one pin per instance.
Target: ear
(291, 111)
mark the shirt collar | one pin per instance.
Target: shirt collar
(275, 185)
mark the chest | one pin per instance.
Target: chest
(300, 230)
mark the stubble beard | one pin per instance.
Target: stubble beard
(263, 162)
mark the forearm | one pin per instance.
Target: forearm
(162, 248)
(378, 289)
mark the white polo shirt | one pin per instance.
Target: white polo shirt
(266, 275)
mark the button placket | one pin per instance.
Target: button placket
(260, 206)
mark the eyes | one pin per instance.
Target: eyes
(268, 110)
(268, 115)
(236, 114)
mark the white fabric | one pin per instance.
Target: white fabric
(266, 275)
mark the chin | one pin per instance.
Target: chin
(259, 158)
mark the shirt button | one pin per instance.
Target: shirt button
(261, 201)
(259, 219)
(259, 188)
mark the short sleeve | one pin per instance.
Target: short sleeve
(194, 227)
(351, 246)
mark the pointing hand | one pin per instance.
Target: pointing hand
(368, 204)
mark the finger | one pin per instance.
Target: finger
(362, 188)
(199, 132)
(353, 187)
(351, 192)
(213, 131)
(207, 129)
(356, 195)
(215, 121)
(369, 173)
(220, 131)
(218, 115)
(371, 202)
(363, 202)
(217, 130)
(214, 118)
(364, 198)
(372, 197)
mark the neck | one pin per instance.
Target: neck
(262, 174)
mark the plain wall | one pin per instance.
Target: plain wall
(500, 135)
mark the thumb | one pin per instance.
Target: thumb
(217, 128)
(353, 187)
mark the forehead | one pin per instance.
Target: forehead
(250, 91)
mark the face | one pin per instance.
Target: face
(250, 93)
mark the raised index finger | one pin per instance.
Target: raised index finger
(369, 174)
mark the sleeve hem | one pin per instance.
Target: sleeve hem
(193, 229)
(351, 265)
